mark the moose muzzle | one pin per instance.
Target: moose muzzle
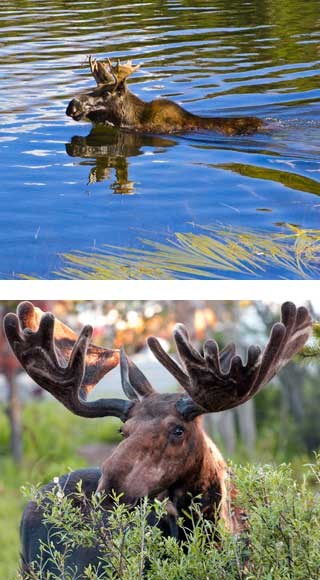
(75, 109)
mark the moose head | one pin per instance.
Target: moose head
(106, 104)
(164, 448)
(112, 104)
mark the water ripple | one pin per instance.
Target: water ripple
(226, 57)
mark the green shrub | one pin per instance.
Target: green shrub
(283, 539)
(52, 437)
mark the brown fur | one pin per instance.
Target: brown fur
(119, 107)
(151, 460)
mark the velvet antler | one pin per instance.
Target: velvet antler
(217, 380)
(98, 361)
(123, 71)
(101, 72)
(106, 73)
(63, 364)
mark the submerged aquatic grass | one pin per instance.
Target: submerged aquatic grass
(213, 252)
(66, 186)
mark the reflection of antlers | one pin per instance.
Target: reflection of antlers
(219, 381)
(106, 73)
(63, 364)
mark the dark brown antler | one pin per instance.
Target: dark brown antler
(64, 365)
(134, 384)
(219, 381)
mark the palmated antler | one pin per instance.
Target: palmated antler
(98, 361)
(216, 381)
(123, 71)
(63, 364)
(106, 73)
(101, 71)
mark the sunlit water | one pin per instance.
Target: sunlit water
(65, 191)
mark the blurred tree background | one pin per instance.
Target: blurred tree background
(40, 439)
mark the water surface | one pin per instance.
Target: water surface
(67, 189)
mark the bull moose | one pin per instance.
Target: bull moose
(112, 103)
(164, 449)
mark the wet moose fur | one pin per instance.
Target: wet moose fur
(112, 103)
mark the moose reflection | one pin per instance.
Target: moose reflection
(165, 451)
(112, 103)
(111, 148)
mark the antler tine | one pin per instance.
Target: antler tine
(123, 71)
(134, 384)
(167, 361)
(38, 352)
(220, 381)
(99, 360)
(106, 73)
(226, 355)
(286, 339)
(102, 74)
(179, 374)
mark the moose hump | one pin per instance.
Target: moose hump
(112, 103)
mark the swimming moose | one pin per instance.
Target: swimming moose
(164, 451)
(112, 103)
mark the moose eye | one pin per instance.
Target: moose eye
(178, 431)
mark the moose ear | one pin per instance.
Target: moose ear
(134, 384)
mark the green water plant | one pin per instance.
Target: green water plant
(209, 252)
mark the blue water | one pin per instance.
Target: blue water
(214, 58)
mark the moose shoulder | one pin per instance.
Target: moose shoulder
(165, 451)
(112, 103)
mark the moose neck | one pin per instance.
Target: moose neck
(125, 110)
(133, 110)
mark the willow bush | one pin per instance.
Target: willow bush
(283, 539)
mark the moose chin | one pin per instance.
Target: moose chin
(113, 104)
(165, 452)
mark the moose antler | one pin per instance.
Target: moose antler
(101, 71)
(106, 73)
(123, 71)
(99, 360)
(68, 366)
(217, 380)
(64, 365)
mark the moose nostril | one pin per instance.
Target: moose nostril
(74, 108)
